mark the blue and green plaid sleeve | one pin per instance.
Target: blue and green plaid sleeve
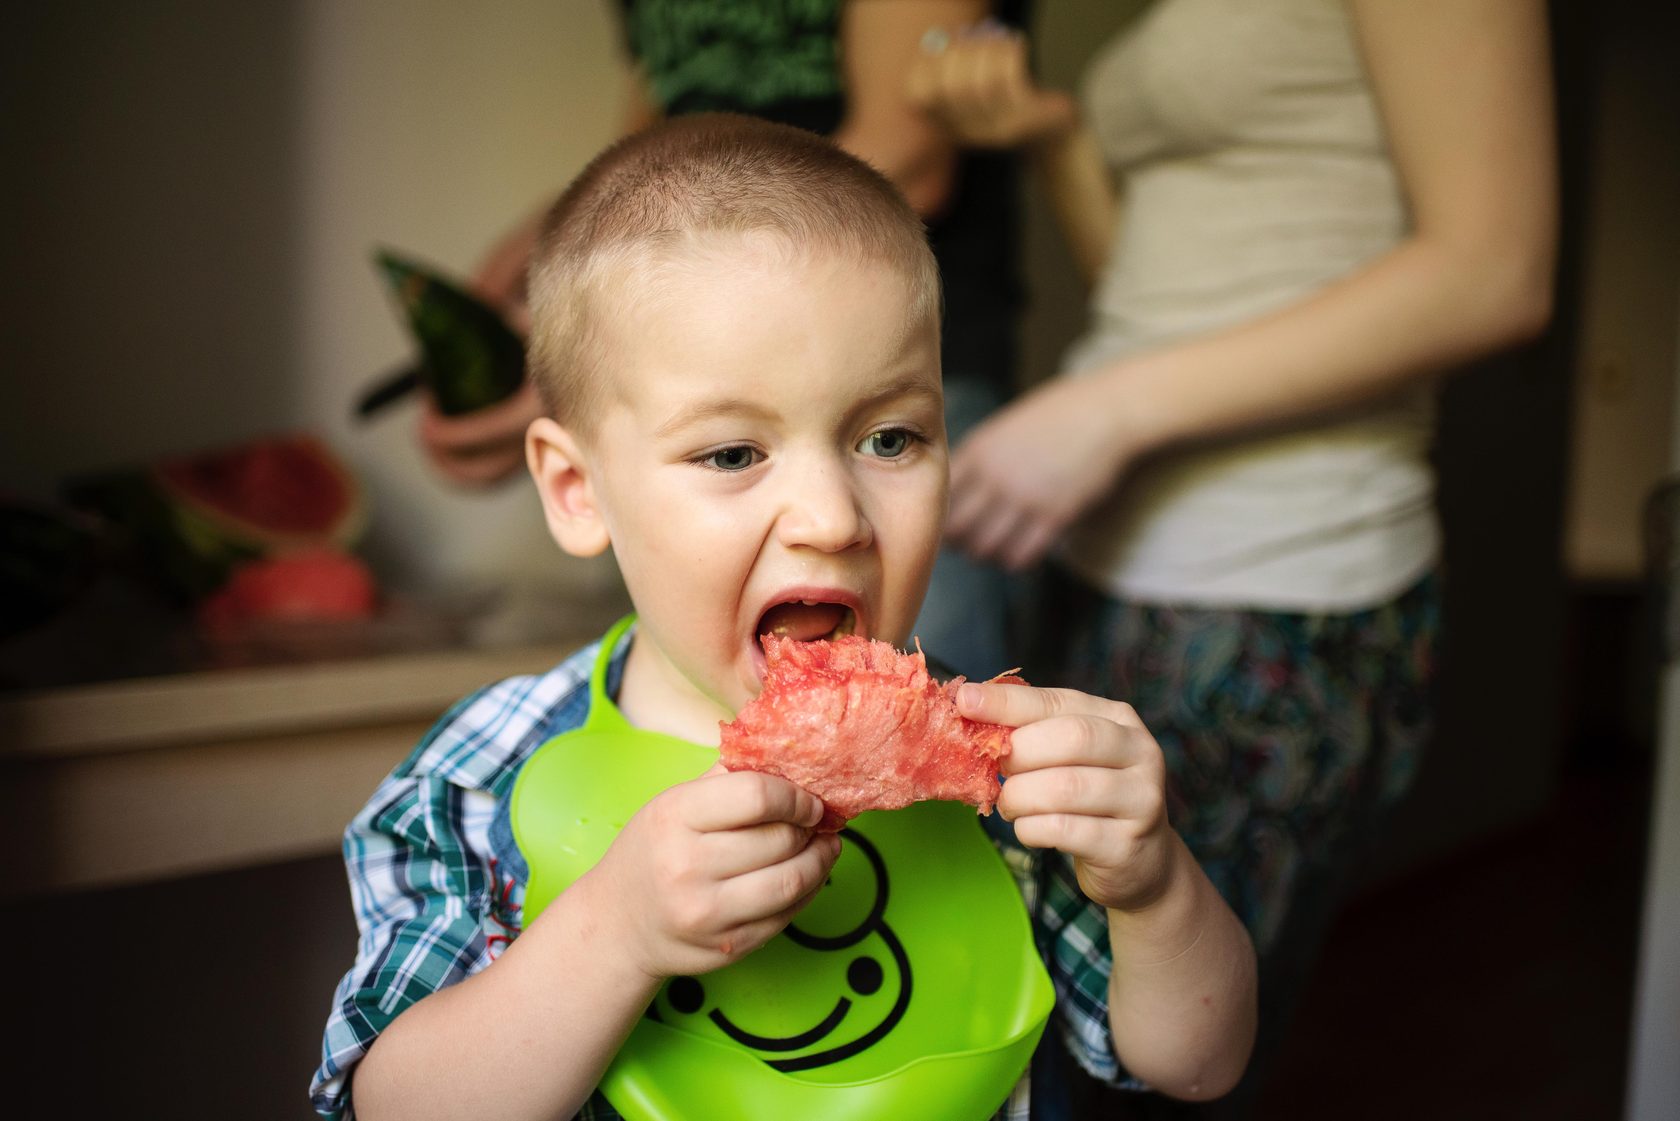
(1073, 933)
(1080, 965)
(417, 889)
(423, 876)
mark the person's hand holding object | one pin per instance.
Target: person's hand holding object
(976, 84)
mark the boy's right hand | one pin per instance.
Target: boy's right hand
(711, 869)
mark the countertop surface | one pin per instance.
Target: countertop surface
(171, 687)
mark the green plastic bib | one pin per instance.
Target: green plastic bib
(909, 987)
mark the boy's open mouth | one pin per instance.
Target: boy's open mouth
(807, 621)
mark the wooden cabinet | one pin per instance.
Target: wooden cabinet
(126, 781)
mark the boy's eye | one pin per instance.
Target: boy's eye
(889, 443)
(736, 458)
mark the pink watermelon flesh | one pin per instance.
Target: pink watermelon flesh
(863, 727)
(315, 584)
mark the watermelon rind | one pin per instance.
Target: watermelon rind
(470, 357)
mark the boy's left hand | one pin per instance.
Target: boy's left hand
(1084, 776)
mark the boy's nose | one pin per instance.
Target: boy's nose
(822, 511)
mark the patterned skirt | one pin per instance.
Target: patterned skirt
(1285, 735)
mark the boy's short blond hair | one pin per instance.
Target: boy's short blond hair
(659, 193)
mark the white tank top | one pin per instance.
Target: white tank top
(1255, 173)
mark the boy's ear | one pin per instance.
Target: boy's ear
(565, 482)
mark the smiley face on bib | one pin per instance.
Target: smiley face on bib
(841, 980)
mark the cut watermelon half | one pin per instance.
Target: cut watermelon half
(267, 496)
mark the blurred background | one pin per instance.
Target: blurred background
(195, 194)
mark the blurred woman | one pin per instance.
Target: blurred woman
(1297, 215)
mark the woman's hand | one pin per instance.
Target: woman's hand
(1027, 473)
(976, 85)
(483, 447)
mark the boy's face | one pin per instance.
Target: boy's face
(771, 458)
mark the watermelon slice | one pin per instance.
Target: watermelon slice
(863, 727)
(191, 519)
(308, 585)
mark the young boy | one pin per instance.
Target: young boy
(735, 327)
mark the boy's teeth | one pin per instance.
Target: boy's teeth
(807, 621)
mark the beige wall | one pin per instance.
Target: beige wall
(190, 249)
(431, 125)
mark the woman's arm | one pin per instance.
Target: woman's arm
(879, 40)
(1466, 100)
(1082, 196)
(500, 279)
(487, 446)
(1465, 95)
(978, 89)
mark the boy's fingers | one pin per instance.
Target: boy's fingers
(735, 852)
(1016, 705)
(1076, 740)
(780, 888)
(1078, 835)
(737, 799)
(1097, 792)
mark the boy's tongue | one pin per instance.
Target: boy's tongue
(803, 622)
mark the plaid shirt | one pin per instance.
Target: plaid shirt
(437, 883)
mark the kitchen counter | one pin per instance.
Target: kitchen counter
(118, 782)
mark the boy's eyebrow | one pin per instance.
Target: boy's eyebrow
(743, 406)
(909, 386)
(707, 410)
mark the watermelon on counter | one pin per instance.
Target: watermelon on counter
(190, 520)
(469, 357)
(318, 584)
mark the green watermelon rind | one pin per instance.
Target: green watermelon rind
(470, 358)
